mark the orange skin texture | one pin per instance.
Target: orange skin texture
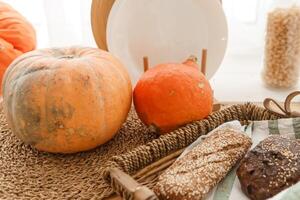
(171, 95)
(66, 100)
(17, 36)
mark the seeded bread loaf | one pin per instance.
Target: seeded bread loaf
(272, 166)
(192, 176)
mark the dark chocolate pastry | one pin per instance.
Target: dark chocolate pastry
(269, 168)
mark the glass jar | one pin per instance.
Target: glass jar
(282, 45)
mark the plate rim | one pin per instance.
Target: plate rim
(118, 3)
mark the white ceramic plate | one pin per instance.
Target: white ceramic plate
(166, 31)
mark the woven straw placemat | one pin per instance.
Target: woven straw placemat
(26, 173)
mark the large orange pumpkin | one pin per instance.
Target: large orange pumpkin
(66, 100)
(17, 36)
(170, 95)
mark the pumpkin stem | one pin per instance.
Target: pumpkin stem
(193, 58)
(191, 61)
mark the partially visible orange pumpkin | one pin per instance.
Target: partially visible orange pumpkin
(66, 100)
(170, 95)
(17, 36)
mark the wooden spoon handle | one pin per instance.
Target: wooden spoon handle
(133, 190)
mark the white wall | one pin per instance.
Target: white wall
(58, 22)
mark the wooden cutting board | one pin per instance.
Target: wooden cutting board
(99, 15)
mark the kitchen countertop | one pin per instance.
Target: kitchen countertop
(239, 80)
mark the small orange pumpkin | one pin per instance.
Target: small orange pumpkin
(170, 95)
(66, 100)
(17, 36)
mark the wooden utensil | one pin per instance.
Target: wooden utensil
(216, 105)
(99, 15)
(203, 61)
(139, 192)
